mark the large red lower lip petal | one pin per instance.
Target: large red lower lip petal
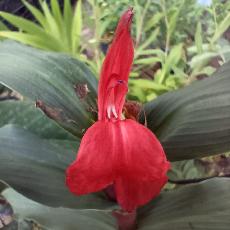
(143, 156)
(123, 153)
(134, 193)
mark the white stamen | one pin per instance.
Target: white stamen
(109, 111)
(114, 111)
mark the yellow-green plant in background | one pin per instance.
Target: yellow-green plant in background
(54, 30)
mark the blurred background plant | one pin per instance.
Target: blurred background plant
(176, 41)
(53, 30)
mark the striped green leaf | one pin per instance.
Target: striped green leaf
(203, 206)
(51, 79)
(36, 167)
(194, 121)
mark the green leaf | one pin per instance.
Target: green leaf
(147, 61)
(36, 13)
(174, 57)
(68, 19)
(59, 218)
(157, 52)
(50, 78)
(153, 21)
(201, 60)
(192, 50)
(198, 38)
(56, 11)
(148, 84)
(200, 206)
(104, 25)
(3, 185)
(41, 42)
(52, 25)
(76, 27)
(24, 114)
(21, 23)
(149, 40)
(193, 121)
(173, 20)
(35, 35)
(3, 26)
(170, 62)
(36, 168)
(224, 50)
(222, 27)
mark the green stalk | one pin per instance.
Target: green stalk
(167, 41)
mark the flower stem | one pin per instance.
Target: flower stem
(126, 220)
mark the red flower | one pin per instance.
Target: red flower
(117, 151)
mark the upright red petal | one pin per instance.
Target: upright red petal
(115, 70)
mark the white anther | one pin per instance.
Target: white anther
(111, 110)
(114, 111)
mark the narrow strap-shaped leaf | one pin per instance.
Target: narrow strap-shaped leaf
(36, 13)
(58, 218)
(45, 42)
(36, 168)
(56, 11)
(193, 121)
(24, 114)
(222, 27)
(22, 23)
(63, 87)
(68, 20)
(3, 26)
(204, 205)
(52, 25)
(76, 27)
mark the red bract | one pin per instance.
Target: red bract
(117, 151)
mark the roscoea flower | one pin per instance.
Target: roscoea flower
(117, 151)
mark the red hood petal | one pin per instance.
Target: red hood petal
(116, 68)
(123, 153)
